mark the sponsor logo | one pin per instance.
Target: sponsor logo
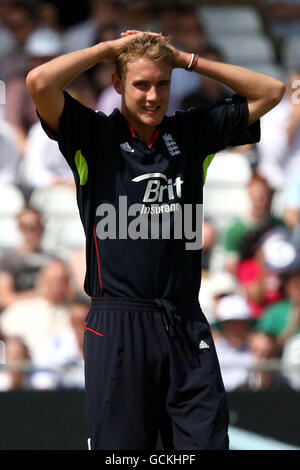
(127, 147)
(159, 185)
(203, 345)
(171, 145)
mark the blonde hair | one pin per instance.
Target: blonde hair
(148, 46)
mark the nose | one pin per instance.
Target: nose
(152, 94)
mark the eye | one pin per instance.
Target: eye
(164, 83)
(141, 84)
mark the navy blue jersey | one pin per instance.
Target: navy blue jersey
(118, 178)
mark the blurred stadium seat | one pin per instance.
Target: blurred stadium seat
(9, 234)
(290, 52)
(11, 200)
(59, 209)
(228, 168)
(244, 49)
(273, 70)
(230, 20)
(57, 202)
(71, 236)
(63, 236)
(224, 194)
(7, 42)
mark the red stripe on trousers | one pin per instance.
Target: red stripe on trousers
(98, 261)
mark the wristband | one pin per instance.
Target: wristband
(193, 62)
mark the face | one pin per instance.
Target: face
(236, 332)
(145, 91)
(260, 196)
(31, 228)
(54, 282)
(292, 288)
(262, 346)
(15, 351)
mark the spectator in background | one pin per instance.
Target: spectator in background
(279, 147)
(257, 271)
(50, 16)
(262, 376)
(181, 22)
(108, 98)
(18, 375)
(43, 164)
(234, 324)
(63, 352)
(84, 34)
(209, 91)
(188, 33)
(7, 42)
(19, 111)
(20, 20)
(100, 74)
(259, 216)
(9, 156)
(291, 208)
(141, 15)
(285, 17)
(19, 267)
(213, 288)
(282, 319)
(35, 319)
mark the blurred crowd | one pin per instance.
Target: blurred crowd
(251, 265)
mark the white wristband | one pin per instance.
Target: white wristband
(192, 60)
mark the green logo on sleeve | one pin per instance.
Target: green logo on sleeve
(205, 165)
(82, 167)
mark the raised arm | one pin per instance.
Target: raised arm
(261, 91)
(45, 83)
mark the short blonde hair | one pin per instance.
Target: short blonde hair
(148, 46)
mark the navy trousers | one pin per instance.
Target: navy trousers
(150, 367)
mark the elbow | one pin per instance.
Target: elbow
(35, 83)
(277, 93)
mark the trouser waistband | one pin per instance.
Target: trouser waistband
(143, 304)
(172, 311)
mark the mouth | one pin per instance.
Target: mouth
(151, 109)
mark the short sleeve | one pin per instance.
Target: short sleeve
(224, 124)
(78, 128)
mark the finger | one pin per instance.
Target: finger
(130, 32)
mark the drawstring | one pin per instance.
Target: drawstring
(169, 312)
(171, 317)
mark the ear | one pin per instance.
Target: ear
(117, 83)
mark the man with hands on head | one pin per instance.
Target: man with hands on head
(150, 361)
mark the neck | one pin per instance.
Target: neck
(146, 133)
(148, 138)
(258, 214)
